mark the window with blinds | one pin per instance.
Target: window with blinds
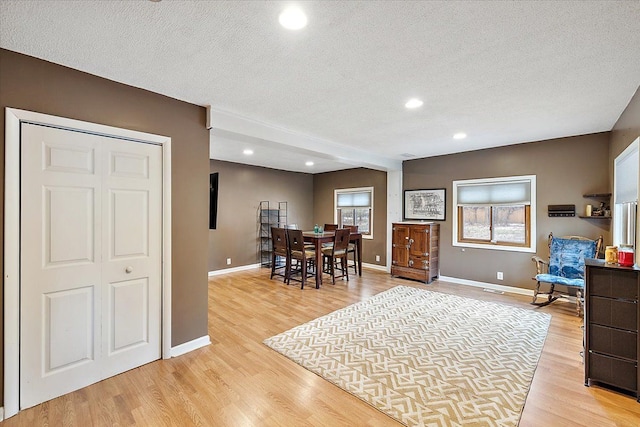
(625, 195)
(354, 206)
(495, 213)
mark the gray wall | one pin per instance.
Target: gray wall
(566, 168)
(324, 185)
(241, 188)
(32, 84)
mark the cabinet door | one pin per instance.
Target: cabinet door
(400, 251)
(419, 239)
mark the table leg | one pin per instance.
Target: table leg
(359, 255)
(318, 263)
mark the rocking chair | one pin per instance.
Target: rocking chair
(565, 267)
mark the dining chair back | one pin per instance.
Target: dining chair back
(279, 254)
(304, 256)
(352, 248)
(337, 253)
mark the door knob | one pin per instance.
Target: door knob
(128, 270)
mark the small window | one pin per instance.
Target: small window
(354, 206)
(496, 213)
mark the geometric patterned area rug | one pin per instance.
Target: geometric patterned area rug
(425, 358)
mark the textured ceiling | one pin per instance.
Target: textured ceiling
(334, 92)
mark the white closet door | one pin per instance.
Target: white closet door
(90, 259)
(131, 254)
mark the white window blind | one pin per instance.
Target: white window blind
(495, 193)
(354, 200)
(626, 179)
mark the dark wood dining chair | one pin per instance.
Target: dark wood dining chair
(304, 257)
(329, 227)
(352, 248)
(337, 254)
(279, 254)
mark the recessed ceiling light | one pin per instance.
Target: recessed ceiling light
(309, 163)
(248, 152)
(292, 18)
(414, 103)
(460, 135)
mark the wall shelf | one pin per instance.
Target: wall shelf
(603, 198)
(599, 217)
(597, 196)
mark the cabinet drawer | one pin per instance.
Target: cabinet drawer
(410, 273)
(613, 283)
(419, 262)
(615, 313)
(612, 371)
(614, 342)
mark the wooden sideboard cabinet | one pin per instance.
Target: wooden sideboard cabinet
(415, 250)
(611, 319)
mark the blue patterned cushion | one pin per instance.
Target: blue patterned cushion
(567, 257)
(549, 278)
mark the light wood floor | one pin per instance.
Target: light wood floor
(238, 381)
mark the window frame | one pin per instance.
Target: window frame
(337, 218)
(530, 216)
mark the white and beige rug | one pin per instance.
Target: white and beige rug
(425, 358)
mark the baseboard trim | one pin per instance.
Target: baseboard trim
(181, 349)
(233, 269)
(375, 266)
(485, 285)
(1, 413)
(252, 266)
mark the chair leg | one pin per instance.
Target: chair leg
(273, 265)
(345, 267)
(355, 264)
(287, 269)
(291, 270)
(287, 279)
(550, 297)
(536, 292)
(333, 270)
(579, 302)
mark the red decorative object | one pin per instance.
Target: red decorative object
(625, 256)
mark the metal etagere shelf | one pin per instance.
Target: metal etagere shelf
(269, 216)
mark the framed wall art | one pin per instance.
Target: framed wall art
(426, 205)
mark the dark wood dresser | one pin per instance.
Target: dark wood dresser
(611, 319)
(415, 250)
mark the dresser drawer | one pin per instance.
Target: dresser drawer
(612, 371)
(615, 313)
(410, 273)
(614, 342)
(420, 262)
(613, 283)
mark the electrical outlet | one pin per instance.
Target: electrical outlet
(500, 276)
(228, 261)
(377, 258)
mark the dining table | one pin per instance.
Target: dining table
(327, 237)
